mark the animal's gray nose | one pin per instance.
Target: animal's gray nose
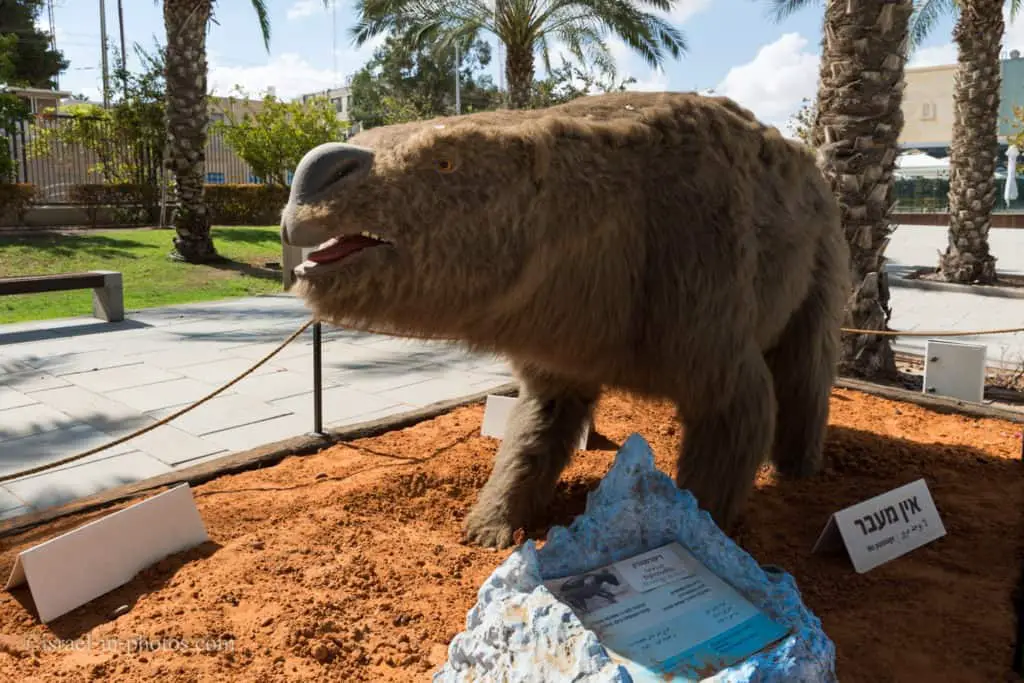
(328, 165)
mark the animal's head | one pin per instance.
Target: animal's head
(418, 227)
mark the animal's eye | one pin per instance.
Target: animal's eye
(445, 165)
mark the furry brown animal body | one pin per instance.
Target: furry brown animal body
(664, 243)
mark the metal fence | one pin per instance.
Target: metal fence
(98, 153)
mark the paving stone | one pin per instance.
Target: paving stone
(372, 416)
(49, 489)
(86, 361)
(53, 445)
(34, 380)
(388, 379)
(96, 410)
(174, 393)
(260, 433)
(435, 390)
(173, 446)
(10, 365)
(280, 384)
(9, 501)
(112, 379)
(37, 418)
(183, 354)
(221, 371)
(339, 404)
(255, 352)
(224, 412)
(10, 398)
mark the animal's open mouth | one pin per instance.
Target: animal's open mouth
(338, 248)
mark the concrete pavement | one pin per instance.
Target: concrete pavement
(70, 385)
(915, 246)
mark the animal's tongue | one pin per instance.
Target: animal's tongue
(340, 247)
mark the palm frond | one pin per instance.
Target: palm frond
(260, 7)
(926, 14)
(783, 9)
(1014, 9)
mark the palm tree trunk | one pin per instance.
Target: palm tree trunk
(187, 119)
(972, 183)
(519, 73)
(856, 131)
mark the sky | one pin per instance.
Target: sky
(734, 48)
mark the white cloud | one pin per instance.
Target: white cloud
(774, 83)
(631, 65)
(943, 54)
(936, 55)
(289, 74)
(684, 9)
(301, 9)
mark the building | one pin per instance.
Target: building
(38, 99)
(341, 98)
(928, 105)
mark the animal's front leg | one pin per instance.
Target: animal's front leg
(540, 437)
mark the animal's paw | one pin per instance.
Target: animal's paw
(489, 528)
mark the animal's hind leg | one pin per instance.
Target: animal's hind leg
(727, 439)
(541, 435)
(803, 365)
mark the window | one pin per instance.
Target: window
(928, 111)
(215, 178)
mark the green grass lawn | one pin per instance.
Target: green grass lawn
(150, 277)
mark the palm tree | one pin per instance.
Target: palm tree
(525, 27)
(975, 145)
(856, 133)
(186, 22)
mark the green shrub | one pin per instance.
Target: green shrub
(15, 198)
(245, 204)
(133, 202)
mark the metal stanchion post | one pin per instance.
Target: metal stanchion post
(318, 399)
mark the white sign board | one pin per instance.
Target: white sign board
(955, 369)
(885, 527)
(70, 570)
(496, 414)
(664, 616)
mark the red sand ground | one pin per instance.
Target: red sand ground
(347, 565)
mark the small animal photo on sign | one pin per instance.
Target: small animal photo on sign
(586, 593)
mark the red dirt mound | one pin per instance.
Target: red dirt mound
(347, 565)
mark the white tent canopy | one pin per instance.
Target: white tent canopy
(922, 166)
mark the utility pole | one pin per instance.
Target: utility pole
(458, 94)
(103, 46)
(53, 35)
(124, 55)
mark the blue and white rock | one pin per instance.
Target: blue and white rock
(519, 632)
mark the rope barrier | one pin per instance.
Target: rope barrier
(370, 330)
(916, 333)
(846, 330)
(163, 421)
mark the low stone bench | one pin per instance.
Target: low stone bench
(106, 285)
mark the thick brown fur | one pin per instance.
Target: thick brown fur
(663, 243)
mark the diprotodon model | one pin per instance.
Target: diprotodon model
(667, 244)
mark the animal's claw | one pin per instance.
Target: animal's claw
(490, 529)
